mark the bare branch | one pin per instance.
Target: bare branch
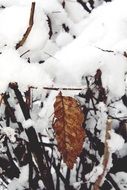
(106, 156)
(111, 51)
(53, 88)
(66, 88)
(25, 36)
(24, 53)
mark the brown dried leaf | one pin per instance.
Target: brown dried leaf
(68, 119)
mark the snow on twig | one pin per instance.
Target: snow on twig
(63, 88)
(53, 88)
(106, 156)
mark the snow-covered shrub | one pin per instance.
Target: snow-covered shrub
(77, 49)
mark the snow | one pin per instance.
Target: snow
(63, 39)
(121, 179)
(36, 40)
(116, 142)
(18, 113)
(123, 151)
(9, 18)
(10, 132)
(77, 185)
(28, 123)
(93, 175)
(18, 16)
(85, 58)
(46, 113)
(21, 181)
(72, 7)
(102, 116)
(20, 71)
(121, 110)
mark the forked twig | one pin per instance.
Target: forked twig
(31, 22)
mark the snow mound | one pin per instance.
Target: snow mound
(103, 30)
(13, 68)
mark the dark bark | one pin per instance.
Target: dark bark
(84, 5)
(12, 170)
(10, 113)
(65, 27)
(50, 27)
(109, 178)
(34, 143)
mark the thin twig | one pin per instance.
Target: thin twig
(24, 53)
(28, 98)
(64, 88)
(111, 51)
(84, 5)
(31, 22)
(112, 181)
(106, 156)
(105, 50)
(53, 88)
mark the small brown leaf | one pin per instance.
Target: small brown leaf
(68, 119)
